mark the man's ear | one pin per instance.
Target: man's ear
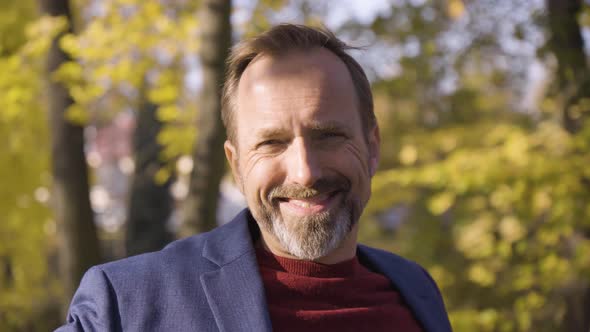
(231, 154)
(374, 149)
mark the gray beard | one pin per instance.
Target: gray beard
(310, 238)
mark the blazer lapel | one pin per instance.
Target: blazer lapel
(234, 290)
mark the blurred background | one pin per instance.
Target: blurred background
(112, 143)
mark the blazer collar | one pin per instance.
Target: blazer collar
(413, 283)
(232, 240)
(234, 289)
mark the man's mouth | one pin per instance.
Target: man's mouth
(309, 205)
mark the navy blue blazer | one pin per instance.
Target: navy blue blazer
(210, 282)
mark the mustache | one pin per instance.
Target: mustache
(297, 191)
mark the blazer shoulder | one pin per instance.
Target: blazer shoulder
(186, 254)
(174, 256)
(390, 263)
(128, 293)
(414, 282)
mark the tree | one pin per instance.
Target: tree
(200, 207)
(573, 74)
(79, 248)
(145, 74)
(150, 203)
(26, 229)
(573, 88)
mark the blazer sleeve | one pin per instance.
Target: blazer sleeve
(94, 305)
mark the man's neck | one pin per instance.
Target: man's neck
(344, 252)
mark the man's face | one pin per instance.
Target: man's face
(301, 157)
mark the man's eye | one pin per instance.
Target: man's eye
(270, 142)
(332, 135)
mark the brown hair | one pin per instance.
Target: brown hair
(278, 41)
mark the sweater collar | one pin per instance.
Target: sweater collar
(299, 267)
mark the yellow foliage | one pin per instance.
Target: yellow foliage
(502, 198)
(162, 175)
(480, 274)
(455, 8)
(511, 229)
(442, 276)
(474, 320)
(24, 158)
(69, 43)
(69, 71)
(441, 203)
(408, 155)
(46, 26)
(523, 318)
(163, 95)
(548, 237)
(488, 318)
(168, 113)
(475, 240)
(515, 149)
(524, 277)
(177, 140)
(76, 115)
(555, 266)
(541, 202)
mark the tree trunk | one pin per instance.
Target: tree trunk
(573, 77)
(567, 44)
(78, 242)
(150, 203)
(199, 210)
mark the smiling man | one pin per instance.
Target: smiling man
(301, 154)
(303, 145)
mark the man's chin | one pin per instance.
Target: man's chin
(314, 237)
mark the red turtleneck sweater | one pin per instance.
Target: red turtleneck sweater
(308, 296)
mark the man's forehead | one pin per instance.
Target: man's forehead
(317, 65)
(313, 82)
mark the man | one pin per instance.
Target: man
(303, 145)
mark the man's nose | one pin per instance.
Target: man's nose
(302, 165)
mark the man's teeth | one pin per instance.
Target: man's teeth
(301, 203)
(309, 202)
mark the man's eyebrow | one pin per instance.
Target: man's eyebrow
(315, 127)
(269, 132)
(329, 126)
